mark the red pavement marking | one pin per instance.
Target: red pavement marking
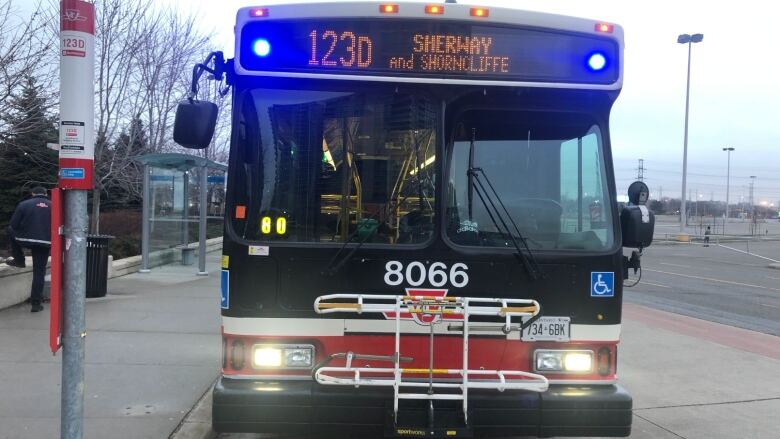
(737, 338)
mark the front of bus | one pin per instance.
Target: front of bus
(452, 155)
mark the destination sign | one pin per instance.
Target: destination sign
(427, 49)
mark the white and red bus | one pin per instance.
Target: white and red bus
(422, 237)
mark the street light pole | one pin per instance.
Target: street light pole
(728, 181)
(686, 39)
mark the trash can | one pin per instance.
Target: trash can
(97, 264)
(187, 255)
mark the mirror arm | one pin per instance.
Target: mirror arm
(218, 71)
(635, 262)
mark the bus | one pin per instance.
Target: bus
(422, 237)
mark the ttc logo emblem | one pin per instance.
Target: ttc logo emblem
(602, 284)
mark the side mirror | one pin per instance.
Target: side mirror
(637, 223)
(194, 124)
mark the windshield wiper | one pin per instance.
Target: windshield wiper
(475, 184)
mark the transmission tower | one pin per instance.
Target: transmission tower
(752, 204)
(640, 170)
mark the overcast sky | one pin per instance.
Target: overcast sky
(735, 88)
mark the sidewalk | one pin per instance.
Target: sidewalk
(152, 350)
(692, 378)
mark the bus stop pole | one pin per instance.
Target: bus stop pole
(204, 189)
(185, 213)
(74, 326)
(76, 177)
(146, 220)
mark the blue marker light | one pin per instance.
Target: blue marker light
(597, 61)
(261, 47)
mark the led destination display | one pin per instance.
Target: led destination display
(428, 49)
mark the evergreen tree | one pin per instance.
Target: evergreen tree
(123, 186)
(25, 161)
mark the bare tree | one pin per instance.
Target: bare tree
(144, 56)
(120, 29)
(174, 46)
(24, 53)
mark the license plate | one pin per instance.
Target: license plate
(548, 329)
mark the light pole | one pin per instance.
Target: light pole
(728, 179)
(686, 39)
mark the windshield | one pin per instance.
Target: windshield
(334, 166)
(546, 168)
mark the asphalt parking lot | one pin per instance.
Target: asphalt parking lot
(713, 283)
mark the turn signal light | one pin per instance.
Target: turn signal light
(434, 9)
(258, 12)
(388, 9)
(604, 360)
(605, 28)
(479, 12)
(237, 355)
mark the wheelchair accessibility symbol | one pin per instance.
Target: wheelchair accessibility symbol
(602, 284)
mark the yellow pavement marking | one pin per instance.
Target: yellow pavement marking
(715, 280)
(655, 285)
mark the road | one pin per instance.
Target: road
(713, 283)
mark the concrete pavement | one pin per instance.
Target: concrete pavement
(152, 350)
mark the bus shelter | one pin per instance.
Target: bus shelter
(179, 189)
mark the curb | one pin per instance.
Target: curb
(197, 423)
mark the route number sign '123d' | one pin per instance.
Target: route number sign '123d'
(413, 48)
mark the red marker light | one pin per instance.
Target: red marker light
(605, 28)
(388, 9)
(434, 9)
(479, 12)
(258, 12)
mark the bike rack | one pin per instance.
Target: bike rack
(456, 309)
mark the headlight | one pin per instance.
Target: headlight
(282, 356)
(266, 357)
(563, 361)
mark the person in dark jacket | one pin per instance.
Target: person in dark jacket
(31, 228)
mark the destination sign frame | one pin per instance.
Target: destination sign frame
(426, 49)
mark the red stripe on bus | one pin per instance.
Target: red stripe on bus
(486, 353)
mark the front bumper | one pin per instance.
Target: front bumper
(307, 408)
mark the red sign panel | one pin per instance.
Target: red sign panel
(55, 317)
(77, 15)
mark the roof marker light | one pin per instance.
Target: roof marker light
(597, 61)
(388, 9)
(479, 12)
(434, 9)
(258, 12)
(261, 47)
(605, 28)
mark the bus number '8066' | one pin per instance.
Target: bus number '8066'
(416, 273)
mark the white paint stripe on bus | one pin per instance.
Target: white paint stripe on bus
(313, 327)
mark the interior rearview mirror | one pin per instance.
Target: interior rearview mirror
(194, 124)
(637, 222)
